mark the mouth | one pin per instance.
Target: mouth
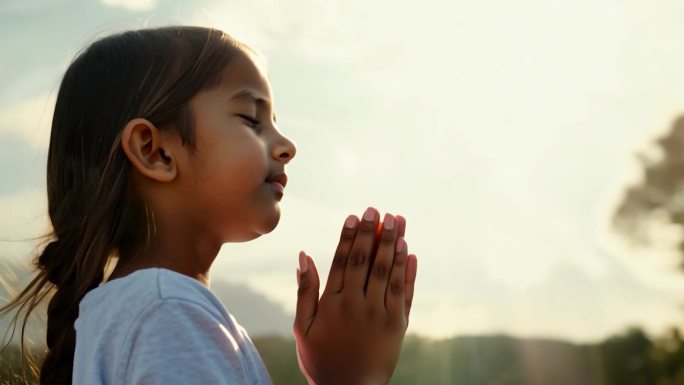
(280, 179)
(278, 182)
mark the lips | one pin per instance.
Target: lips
(278, 183)
(281, 179)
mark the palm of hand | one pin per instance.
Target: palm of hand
(353, 333)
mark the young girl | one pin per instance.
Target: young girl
(163, 147)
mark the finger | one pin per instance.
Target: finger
(374, 250)
(401, 222)
(395, 300)
(307, 294)
(357, 267)
(411, 271)
(382, 265)
(339, 262)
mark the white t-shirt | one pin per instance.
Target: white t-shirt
(156, 326)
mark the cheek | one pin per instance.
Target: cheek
(247, 167)
(235, 174)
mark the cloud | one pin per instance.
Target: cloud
(560, 306)
(21, 166)
(332, 30)
(24, 217)
(30, 119)
(133, 5)
(30, 5)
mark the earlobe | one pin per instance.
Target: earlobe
(144, 147)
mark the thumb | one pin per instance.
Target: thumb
(307, 294)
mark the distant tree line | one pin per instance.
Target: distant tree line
(630, 358)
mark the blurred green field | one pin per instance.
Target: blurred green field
(629, 358)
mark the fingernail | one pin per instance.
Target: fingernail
(388, 222)
(350, 222)
(401, 245)
(303, 262)
(369, 215)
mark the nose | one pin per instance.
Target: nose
(284, 150)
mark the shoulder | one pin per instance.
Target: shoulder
(187, 336)
(136, 292)
(170, 322)
(161, 327)
(177, 339)
(121, 305)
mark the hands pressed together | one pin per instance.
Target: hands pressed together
(352, 334)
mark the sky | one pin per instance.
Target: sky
(503, 131)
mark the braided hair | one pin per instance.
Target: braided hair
(96, 215)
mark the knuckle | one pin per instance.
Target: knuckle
(367, 227)
(397, 323)
(380, 270)
(401, 324)
(348, 234)
(396, 287)
(387, 237)
(303, 290)
(346, 305)
(372, 312)
(399, 262)
(339, 261)
(358, 258)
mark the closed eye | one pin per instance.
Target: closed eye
(251, 122)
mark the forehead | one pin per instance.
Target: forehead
(246, 78)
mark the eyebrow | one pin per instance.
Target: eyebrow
(247, 93)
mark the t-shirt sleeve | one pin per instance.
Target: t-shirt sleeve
(181, 342)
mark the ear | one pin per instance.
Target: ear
(147, 150)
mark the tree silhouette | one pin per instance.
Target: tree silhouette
(659, 196)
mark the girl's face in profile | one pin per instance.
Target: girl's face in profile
(238, 149)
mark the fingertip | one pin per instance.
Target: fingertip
(313, 268)
(400, 246)
(310, 261)
(303, 261)
(351, 221)
(401, 222)
(371, 214)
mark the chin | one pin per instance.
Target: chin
(261, 228)
(271, 223)
(245, 238)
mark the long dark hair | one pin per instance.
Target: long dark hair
(95, 214)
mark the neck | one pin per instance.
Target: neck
(182, 251)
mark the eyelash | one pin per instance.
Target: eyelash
(252, 122)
